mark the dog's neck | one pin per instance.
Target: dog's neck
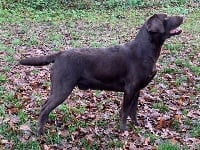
(150, 37)
(149, 40)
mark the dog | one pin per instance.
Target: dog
(123, 68)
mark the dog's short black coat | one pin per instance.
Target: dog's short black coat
(126, 68)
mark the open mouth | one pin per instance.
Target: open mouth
(175, 31)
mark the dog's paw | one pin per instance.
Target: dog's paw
(135, 122)
(123, 128)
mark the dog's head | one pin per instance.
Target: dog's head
(163, 26)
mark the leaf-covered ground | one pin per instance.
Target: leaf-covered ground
(169, 107)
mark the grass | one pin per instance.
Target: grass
(179, 81)
(168, 146)
(152, 137)
(23, 117)
(176, 10)
(5, 131)
(17, 42)
(163, 108)
(115, 144)
(54, 138)
(23, 30)
(195, 132)
(175, 125)
(86, 144)
(2, 111)
(2, 78)
(174, 48)
(32, 145)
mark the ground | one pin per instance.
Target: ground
(169, 107)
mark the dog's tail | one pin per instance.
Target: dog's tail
(39, 61)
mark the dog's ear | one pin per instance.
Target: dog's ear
(161, 16)
(154, 24)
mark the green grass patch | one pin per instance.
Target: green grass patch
(175, 125)
(192, 22)
(9, 98)
(3, 47)
(30, 145)
(116, 144)
(174, 48)
(17, 41)
(161, 107)
(151, 136)
(168, 146)
(14, 142)
(53, 138)
(170, 70)
(176, 10)
(188, 64)
(2, 78)
(195, 132)
(180, 80)
(2, 111)
(101, 123)
(23, 117)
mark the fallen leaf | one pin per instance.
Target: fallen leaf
(25, 128)
(46, 147)
(89, 139)
(132, 146)
(146, 141)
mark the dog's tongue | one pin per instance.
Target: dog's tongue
(173, 31)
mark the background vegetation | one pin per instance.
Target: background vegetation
(92, 4)
(169, 107)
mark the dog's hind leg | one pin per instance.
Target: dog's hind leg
(60, 92)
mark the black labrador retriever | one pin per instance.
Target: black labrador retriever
(125, 68)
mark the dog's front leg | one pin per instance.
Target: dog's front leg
(128, 96)
(133, 108)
